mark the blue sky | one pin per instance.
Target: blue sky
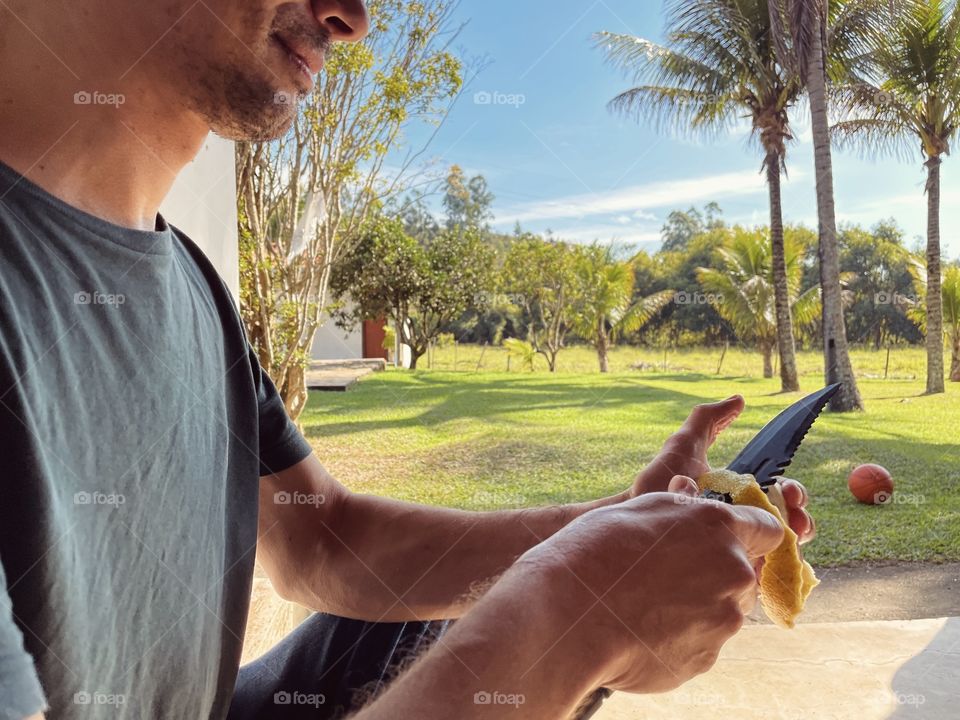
(534, 122)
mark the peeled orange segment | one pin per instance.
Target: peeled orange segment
(786, 579)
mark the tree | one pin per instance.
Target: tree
(742, 289)
(303, 198)
(679, 268)
(881, 284)
(718, 64)
(467, 202)
(539, 276)
(810, 36)
(950, 289)
(604, 307)
(911, 90)
(682, 227)
(422, 288)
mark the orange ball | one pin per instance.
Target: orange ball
(871, 484)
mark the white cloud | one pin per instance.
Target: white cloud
(640, 199)
(606, 234)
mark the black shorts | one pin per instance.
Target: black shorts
(327, 668)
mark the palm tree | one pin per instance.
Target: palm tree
(604, 305)
(742, 290)
(717, 64)
(803, 32)
(910, 90)
(951, 310)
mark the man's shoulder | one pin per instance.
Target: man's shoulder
(198, 260)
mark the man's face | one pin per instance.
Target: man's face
(240, 64)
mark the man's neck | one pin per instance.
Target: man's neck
(113, 157)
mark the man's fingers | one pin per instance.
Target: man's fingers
(731, 409)
(757, 530)
(713, 418)
(683, 485)
(794, 493)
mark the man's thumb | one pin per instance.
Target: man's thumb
(682, 485)
(758, 530)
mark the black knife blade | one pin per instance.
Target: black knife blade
(772, 449)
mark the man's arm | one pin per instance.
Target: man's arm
(378, 559)
(675, 584)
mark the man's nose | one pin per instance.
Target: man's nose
(345, 20)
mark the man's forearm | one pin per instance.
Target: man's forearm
(394, 561)
(507, 658)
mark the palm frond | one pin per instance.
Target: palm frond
(643, 311)
(872, 138)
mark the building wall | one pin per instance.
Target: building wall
(203, 205)
(332, 343)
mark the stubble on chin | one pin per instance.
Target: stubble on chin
(238, 94)
(252, 109)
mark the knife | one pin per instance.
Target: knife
(765, 457)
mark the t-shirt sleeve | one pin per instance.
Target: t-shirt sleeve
(21, 695)
(281, 443)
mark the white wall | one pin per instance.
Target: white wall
(203, 204)
(332, 343)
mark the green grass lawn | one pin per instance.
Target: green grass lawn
(485, 440)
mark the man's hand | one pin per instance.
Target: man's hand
(685, 453)
(639, 596)
(661, 581)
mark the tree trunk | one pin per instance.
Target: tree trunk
(955, 357)
(414, 356)
(836, 353)
(934, 281)
(294, 391)
(785, 340)
(767, 351)
(602, 347)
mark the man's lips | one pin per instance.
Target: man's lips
(312, 60)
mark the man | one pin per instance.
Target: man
(140, 437)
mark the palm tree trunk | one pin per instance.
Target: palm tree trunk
(785, 340)
(836, 353)
(934, 282)
(602, 347)
(955, 357)
(767, 350)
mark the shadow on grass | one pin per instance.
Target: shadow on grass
(445, 399)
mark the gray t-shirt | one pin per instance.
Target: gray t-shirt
(134, 424)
